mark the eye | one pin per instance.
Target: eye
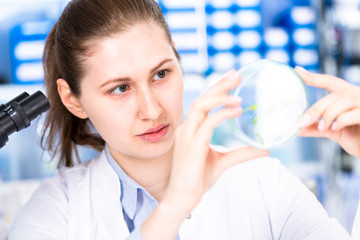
(121, 89)
(160, 75)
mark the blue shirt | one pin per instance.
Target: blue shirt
(137, 203)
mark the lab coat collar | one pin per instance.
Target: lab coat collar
(128, 187)
(105, 197)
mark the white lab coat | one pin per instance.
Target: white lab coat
(355, 233)
(258, 199)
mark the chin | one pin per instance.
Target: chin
(156, 150)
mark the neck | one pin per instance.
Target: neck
(152, 174)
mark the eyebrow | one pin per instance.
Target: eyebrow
(127, 79)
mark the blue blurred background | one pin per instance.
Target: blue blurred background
(212, 36)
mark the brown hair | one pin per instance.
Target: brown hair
(68, 43)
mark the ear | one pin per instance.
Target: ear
(174, 44)
(70, 101)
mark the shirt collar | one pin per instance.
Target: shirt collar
(128, 187)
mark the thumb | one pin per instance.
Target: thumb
(240, 155)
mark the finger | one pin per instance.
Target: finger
(316, 111)
(313, 131)
(206, 129)
(338, 107)
(240, 155)
(328, 82)
(210, 99)
(226, 84)
(208, 104)
(201, 108)
(346, 119)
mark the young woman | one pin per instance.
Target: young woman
(114, 82)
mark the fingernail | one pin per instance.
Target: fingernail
(334, 126)
(237, 74)
(305, 120)
(321, 125)
(229, 73)
(302, 70)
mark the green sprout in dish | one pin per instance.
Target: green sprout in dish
(255, 120)
(260, 140)
(252, 108)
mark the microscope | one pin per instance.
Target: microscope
(18, 113)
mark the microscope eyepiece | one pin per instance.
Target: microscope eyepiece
(19, 98)
(18, 113)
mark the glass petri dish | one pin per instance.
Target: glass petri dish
(274, 97)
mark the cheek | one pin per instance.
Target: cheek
(109, 119)
(174, 102)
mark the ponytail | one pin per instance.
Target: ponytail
(62, 131)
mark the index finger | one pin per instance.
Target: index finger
(230, 80)
(325, 81)
(242, 154)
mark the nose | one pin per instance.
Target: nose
(149, 105)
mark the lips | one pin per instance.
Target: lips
(154, 134)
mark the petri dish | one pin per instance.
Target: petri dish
(274, 97)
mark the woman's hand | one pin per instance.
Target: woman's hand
(337, 115)
(196, 166)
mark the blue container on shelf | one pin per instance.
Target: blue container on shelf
(188, 31)
(234, 33)
(27, 41)
(277, 44)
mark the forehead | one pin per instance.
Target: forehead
(140, 47)
(135, 38)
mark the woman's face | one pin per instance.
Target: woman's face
(133, 92)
